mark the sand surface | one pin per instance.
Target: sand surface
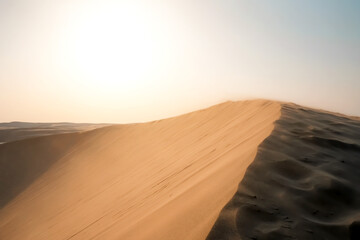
(303, 184)
(165, 179)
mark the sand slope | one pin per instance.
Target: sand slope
(303, 184)
(166, 179)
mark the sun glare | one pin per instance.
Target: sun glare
(116, 44)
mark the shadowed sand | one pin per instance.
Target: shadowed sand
(166, 179)
(303, 184)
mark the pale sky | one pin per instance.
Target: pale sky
(134, 61)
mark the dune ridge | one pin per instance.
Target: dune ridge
(165, 179)
(303, 184)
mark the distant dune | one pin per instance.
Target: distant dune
(13, 131)
(170, 179)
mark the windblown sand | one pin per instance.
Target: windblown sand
(166, 179)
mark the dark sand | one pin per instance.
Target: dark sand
(303, 184)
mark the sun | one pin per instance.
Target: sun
(116, 43)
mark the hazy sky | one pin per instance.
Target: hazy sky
(126, 61)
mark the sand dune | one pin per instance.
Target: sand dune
(178, 178)
(303, 184)
(165, 179)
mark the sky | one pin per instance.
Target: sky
(134, 61)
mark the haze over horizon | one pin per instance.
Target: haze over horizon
(133, 61)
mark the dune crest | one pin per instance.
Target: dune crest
(165, 179)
